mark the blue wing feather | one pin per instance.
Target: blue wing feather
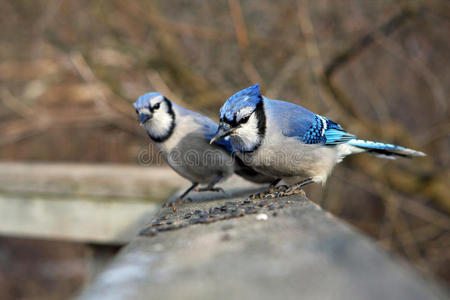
(336, 136)
(293, 120)
(298, 122)
(310, 128)
(326, 132)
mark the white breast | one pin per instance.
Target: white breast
(288, 157)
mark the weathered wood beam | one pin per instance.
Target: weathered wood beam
(155, 184)
(103, 221)
(283, 248)
(105, 204)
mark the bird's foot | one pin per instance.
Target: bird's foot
(288, 192)
(293, 191)
(275, 191)
(272, 192)
(210, 189)
(175, 202)
(255, 196)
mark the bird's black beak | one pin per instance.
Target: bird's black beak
(143, 118)
(224, 130)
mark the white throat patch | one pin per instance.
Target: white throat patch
(161, 122)
(246, 137)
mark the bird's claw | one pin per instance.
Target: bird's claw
(175, 202)
(210, 189)
(279, 188)
(255, 196)
(272, 192)
(277, 192)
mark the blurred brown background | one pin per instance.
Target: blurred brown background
(69, 71)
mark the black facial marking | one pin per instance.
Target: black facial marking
(170, 111)
(233, 123)
(261, 118)
(244, 120)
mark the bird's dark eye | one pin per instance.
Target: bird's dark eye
(244, 120)
(137, 111)
(156, 106)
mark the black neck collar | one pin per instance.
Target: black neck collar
(261, 118)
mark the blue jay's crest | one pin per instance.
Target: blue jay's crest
(245, 100)
(145, 100)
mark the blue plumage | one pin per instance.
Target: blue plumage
(327, 132)
(144, 100)
(247, 97)
(295, 121)
(315, 134)
(380, 148)
(182, 138)
(225, 143)
(285, 140)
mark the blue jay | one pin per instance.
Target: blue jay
(289, 142)
(182, 138)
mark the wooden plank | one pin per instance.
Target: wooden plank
(96, 180)
(102, 221)
(105, 204)
(78, 202)
(283, 248)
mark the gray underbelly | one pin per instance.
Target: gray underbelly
(197, 161)
(291, 160)
(196, 170)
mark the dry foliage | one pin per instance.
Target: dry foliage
(71, 69)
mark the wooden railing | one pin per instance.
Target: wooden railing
(219, 246)
(106, 204)
(237, 248)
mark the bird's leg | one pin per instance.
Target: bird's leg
(180, 199)
(273, 185)
(284, 190)
(273, 188)
(210, 187)
(297, 188)
(301, 184)
(275, 191)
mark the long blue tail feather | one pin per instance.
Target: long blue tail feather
(384, 149)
